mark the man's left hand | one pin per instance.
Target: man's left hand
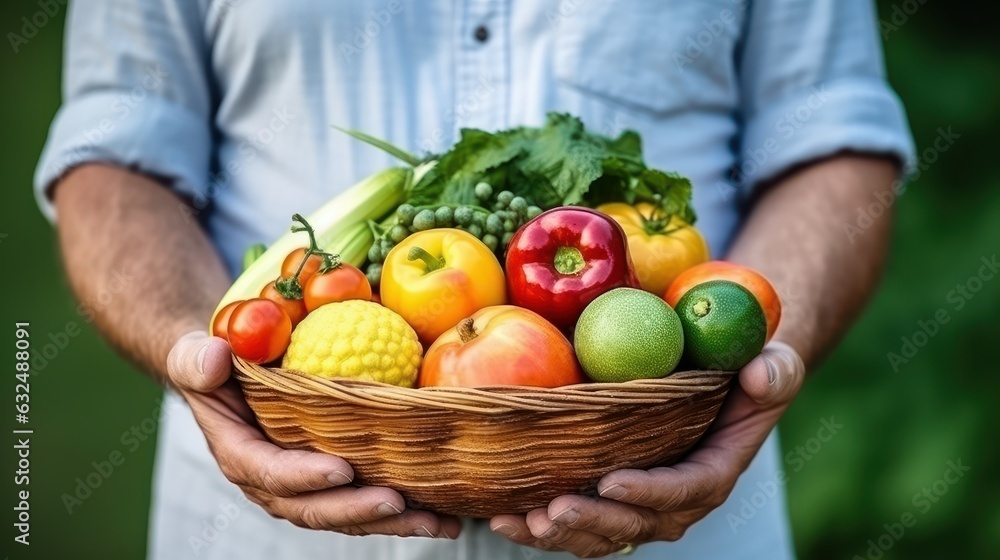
(637, 506)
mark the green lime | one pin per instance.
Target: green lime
(724, 326)
(627, 334)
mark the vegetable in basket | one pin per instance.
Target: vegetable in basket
(436, 278)
(662, 245)
(563, 259)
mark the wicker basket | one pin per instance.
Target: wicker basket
(481, 452)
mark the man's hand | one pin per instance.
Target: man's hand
(309, 489)
(637, 506)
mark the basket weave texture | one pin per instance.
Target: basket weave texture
(486, 451)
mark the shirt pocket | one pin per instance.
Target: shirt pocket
(657, 55)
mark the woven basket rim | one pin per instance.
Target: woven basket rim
(487, 400)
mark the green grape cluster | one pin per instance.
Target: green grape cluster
(493, 222)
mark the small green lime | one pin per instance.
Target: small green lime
(627, 334)
(724, 326)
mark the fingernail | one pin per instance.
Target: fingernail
(423, 532)
(506, 530)
(201, 359)
(338, 478)
(551, 532)
(613, 492)
(772, 370)
(385, 508)
(567, 516)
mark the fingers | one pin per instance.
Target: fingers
(584, 544)
(775, 376)
(616, 521)
(199, 362)
(354, 511)
(515, 528)
(685, 486)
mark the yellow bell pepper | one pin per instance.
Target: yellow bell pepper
(661, 247)
(438, 277)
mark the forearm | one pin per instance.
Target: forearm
(796, 235)
(134, 252)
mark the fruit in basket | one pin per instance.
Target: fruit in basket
(501, 345)
(340, 283)
(745, 276)
(724, 326)
(355, 339)
(259, 330)
(294, 308)
(560, 261)
(628, 334)
(436, 278)
(662, 246)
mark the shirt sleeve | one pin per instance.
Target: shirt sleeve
(136, 93)
(812, 84)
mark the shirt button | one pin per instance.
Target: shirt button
(482, 34)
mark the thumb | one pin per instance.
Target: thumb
(199, 362)
(775, 376)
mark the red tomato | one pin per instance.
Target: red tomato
(745, 276)
(501, 345)
(259, 330)
(220, 326)
(376, 298)
(295, 308)
(294, 259)
(338, 284)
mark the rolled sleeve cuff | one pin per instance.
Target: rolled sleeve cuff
(151, 135)
(858, 115)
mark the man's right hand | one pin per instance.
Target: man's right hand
(309, 489)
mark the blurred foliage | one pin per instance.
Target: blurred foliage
(901, 428)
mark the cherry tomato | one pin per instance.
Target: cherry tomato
(294, 259)
(259, 330)
(295, 308)
(339, 284)
(220, 326)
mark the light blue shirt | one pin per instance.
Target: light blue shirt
(231, 102)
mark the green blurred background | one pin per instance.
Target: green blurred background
(900, 428)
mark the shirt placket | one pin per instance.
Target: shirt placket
(481, 84)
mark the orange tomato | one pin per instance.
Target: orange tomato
(501, 345)
(220, 326)
(294, 259)
(295, 308)
(337, 284)
(745, 276)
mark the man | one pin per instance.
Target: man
(193, 128)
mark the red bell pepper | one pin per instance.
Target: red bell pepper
(561, 260)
